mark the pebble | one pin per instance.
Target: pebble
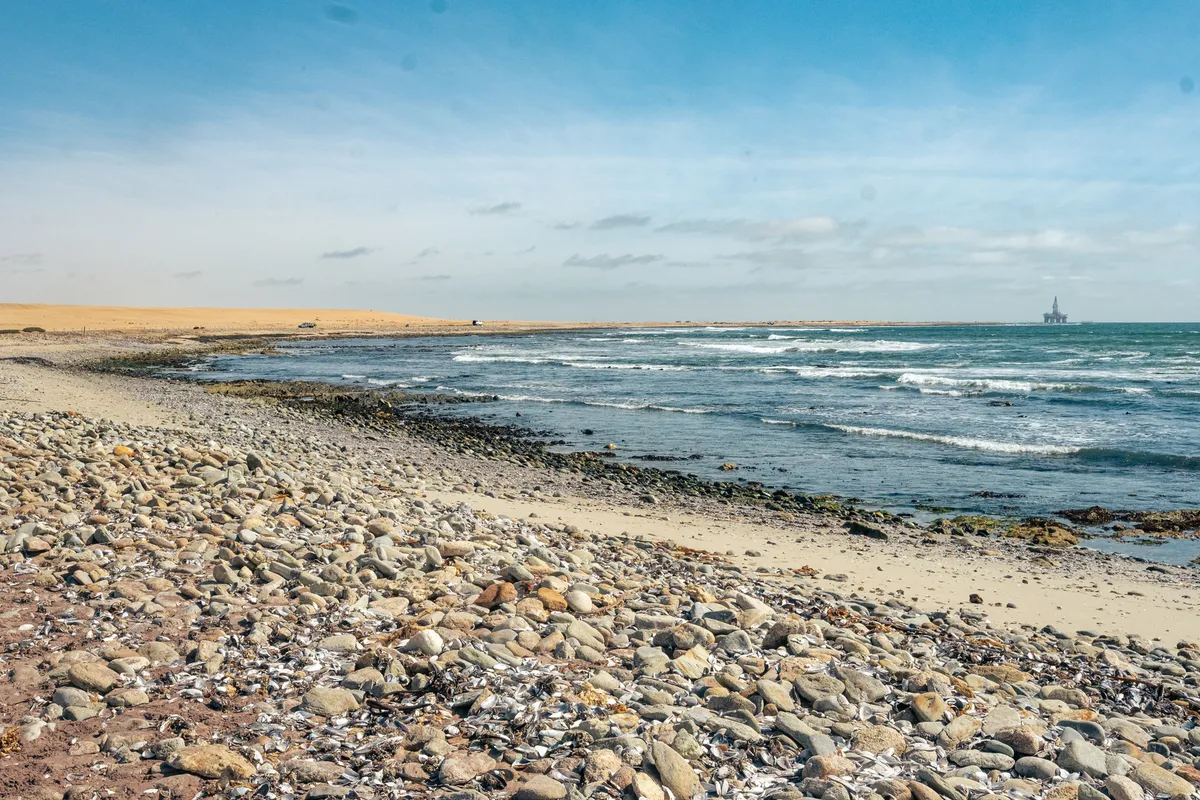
(376, 641)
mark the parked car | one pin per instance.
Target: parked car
(308, 324)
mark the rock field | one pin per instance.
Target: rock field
(225, 611)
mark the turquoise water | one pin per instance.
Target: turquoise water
(1014, 419)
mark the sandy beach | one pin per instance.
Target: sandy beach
(1083, 590)
(235, 591)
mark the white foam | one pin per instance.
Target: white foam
(822, 372)
(353, 377)
(815, 346)
(982, 384)
(611, 365)
(484, 359)
(960, 441)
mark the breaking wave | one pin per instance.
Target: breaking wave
(985, 384)
(961, 441)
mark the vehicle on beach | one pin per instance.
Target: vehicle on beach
(308, 325)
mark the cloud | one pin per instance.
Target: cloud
(762, 230)
(355, 253)
(276, 282)
(784, 257)
(335, 12)
(620, 221)
(439, 277)
(428, 252)
(498, 210)
(567, 226)
(22, 259)
(605, 261)
(192, 273)
(1047, 239)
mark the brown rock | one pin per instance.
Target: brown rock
(552, 600)
(879, 739)
(211, 761)
(646, 788)
(929, 707)
(828, 766)
(540, 787)
(1160, 781)
(92, 676)
(496, 594)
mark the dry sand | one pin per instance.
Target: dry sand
(941, 576)
(129, 319)
(210, 320)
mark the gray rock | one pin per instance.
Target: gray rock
(329, 702)
(674, 771)
(1084, 758)
(1034, 767)
(978, 758)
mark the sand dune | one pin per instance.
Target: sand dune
(127, 319)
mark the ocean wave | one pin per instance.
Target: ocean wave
(985, 384)
(821, 372)
(353, 377)
(613, 365)
(960, 441)
(846, 330)
(610, 340)
(575, 362)
(623, 406)
(1139, 458)
(816, 346)
(472, 358)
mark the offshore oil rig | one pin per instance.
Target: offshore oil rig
(1054, 316)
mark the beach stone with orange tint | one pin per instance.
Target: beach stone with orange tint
(496, 594)
(552, 600)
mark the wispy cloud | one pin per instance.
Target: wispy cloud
(189, 274)
(438, 277)
(621, 221)
(344, 15)
(1047, 239)
(498, 210)
(278, 282)
(785, 257)
(605, 261)
(567, 226)
(354, 253)
(22, 259)
(428, 252)
(762, 230)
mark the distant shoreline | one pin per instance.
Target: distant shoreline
(84, 319)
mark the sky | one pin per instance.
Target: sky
(651, 160)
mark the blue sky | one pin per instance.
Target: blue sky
(605, 160)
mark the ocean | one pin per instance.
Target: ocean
(1013, 420)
